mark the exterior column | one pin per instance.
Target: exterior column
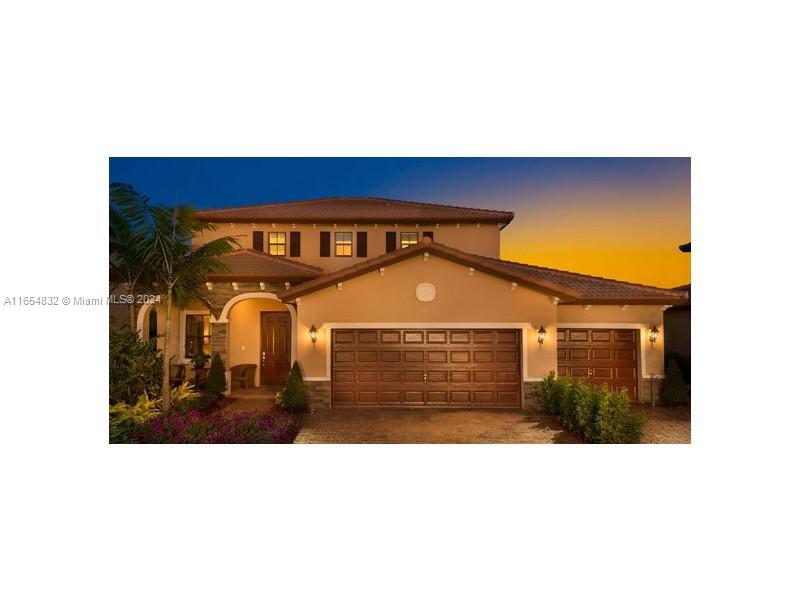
(219, 343)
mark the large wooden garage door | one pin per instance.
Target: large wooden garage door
(426, 367)
(600, 356)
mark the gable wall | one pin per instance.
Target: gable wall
(461, 298)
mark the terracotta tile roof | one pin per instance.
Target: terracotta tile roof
(355, 209)
(592, 288)
(248, 264)
(570, 288)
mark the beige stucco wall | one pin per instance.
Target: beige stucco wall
(244, 333)
(483, 240)
(460, 298)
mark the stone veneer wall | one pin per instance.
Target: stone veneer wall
(644, 391)
(319, 393)
(531, 398)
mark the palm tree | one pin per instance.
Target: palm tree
(179, 270)
(128, 263)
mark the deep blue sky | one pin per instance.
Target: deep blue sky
(218, 182)
(617, 217)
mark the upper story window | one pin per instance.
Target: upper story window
(408, 238)
(344, 244)
(198, 335)
(277, 243)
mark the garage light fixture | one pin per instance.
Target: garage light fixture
(313, 334)
(542, 333)
(654, 335)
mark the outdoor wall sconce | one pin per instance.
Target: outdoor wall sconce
(542, 333)
(654, 335)
(313, 333)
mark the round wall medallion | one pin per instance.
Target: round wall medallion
(426, 292)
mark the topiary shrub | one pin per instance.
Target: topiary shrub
(134, 367)
(294, 397)
(674, 391)
(216, 384)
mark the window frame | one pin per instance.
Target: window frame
(345, 244)
(404, 243)
(187, 336)
(270, 243)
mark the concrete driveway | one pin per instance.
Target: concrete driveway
(432, 426)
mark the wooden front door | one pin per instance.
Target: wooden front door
(477, 368)
(275, 348)
(601, 356)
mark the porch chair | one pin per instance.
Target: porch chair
(243, 376)
(177, 373)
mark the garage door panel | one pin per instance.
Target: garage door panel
(436, 337)
(483, 377)
(390, 337)
(367, 337)
(436, 367)
(437, 376)
(601, 356)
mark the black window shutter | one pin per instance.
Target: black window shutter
(294, 243)
(391, 241)
(361, 243)
(258, 241)
(428, 234)
(324, 243)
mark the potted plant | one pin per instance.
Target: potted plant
(200, 360)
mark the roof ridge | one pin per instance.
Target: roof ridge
(643, 285)
(378, 198)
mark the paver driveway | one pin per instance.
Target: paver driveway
(432, 426)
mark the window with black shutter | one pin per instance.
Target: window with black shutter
(391, 241)
(361, 243)
(294, 243)
(258, 241)
(324, 243)
(428, 234)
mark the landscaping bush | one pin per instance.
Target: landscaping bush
(134, 367)
(124, 418)
(176, 427)
(602, 417)
(576, 405)
(216, 384)
(674, 391)
(294, 397)
(186, 399)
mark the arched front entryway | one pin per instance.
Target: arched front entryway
(246, 320)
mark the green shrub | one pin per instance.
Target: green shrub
(576, 405)
(216, 384)
(293, 398)
(186, 399)
(602, 417)
(134, 367)
(674, 391)
(123, 417)
(553, 391)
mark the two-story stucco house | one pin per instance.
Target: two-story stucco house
(393, 303)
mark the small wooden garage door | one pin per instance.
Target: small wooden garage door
(600, 356)
(426, 367)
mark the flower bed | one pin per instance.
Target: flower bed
(194, 427)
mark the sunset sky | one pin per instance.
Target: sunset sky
(615, 217)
